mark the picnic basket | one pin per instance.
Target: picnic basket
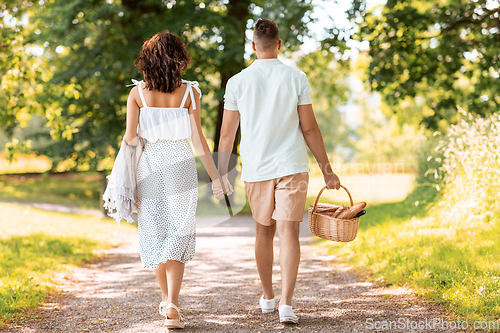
(331, 228)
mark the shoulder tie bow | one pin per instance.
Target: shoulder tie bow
(134, 83)
(190, 85)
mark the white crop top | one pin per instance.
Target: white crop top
(162, 123)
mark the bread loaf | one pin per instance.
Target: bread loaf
(338, 211)
(322, 208)
(352, 211)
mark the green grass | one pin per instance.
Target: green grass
(26, 264)
(24, 163)
(34, 245)
(82, 189)
(444, 259)
(75, 189)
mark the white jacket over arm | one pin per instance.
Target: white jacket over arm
(120, 196)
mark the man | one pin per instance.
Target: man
(273, 102)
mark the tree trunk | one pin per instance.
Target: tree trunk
(239, 11)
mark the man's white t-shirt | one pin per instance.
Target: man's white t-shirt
(267, 94)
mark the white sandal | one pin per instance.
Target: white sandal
(174, 323)
(162, 309)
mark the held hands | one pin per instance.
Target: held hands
(218, 188)
(332, 181)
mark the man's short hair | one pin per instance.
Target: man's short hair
(266, 34)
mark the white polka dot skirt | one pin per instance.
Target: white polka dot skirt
(167, 185)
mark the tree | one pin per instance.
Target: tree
(89, 48)
(329, 82)
(21, 73)
(428, 56)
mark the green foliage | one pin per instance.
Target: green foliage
(446, 246)
(21, 73)
(377, 136)
(428, 56)
(381, 140)
(429, 160)
(97, 43)
(470, 167)
(328, 80)
(292, 18)
(88, 52)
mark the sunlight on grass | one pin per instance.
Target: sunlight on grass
(446, 260)
(35, 244)
(24, 163)
(443, 240)
(28, 262)
(75, 189)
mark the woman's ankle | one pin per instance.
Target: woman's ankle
(172, 314)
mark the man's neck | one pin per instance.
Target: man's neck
(262, 56)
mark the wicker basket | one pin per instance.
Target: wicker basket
(331, 228)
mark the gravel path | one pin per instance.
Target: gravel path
(221, 290)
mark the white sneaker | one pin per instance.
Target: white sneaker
(286, 315)
(267, 305)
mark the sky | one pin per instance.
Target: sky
(326, 15)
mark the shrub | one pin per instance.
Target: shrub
(471, 169)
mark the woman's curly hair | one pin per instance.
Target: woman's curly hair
(162, 60)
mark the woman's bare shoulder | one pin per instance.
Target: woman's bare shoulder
(134, 98)
(134, 94)
(134, 91)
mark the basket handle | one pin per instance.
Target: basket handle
(324, 188)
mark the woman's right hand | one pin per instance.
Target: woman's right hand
(222, 186)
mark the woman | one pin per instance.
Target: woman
(164, 111)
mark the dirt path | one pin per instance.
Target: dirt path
(221, 291)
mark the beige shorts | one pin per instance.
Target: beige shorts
(279, 199)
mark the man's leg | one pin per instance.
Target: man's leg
(264, 256)
(261, 199)
(288, 232)
(290, 194)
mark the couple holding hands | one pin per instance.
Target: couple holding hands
(272, 104)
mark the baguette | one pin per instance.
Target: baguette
(352, 211)
(325, 210)
(338, 211)
(324, 205)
